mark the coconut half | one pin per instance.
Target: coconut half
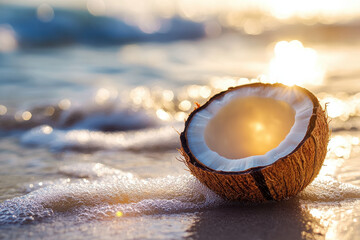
(257, 142)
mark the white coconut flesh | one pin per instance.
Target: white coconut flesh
(249, 127)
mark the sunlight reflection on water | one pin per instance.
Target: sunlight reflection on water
(295, 64)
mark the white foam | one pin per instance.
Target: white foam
(327, 189)
(92, 170)
(147, 139)
(108, 192)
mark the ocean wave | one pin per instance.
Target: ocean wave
(70, 26)
(110, 117)
(152, 139)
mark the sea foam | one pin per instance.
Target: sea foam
(111, 193)
(108, 195)
(147, 139)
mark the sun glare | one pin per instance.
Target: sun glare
(294, 64)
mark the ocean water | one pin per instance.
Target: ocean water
(90, 113)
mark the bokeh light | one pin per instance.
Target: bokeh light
(64, 104)
(45, 12)
(8, 41)
(162, 115)
(46, 129)
(3, 110)
(102, 96)
(96, 7)
(26, 115)
(119, 214)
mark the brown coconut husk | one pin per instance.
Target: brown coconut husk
(284, 178)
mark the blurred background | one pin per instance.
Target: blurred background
(163, 55)
(107, 83)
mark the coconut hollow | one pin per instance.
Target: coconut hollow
(256, 142)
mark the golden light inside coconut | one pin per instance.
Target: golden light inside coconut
(257, 142)
(249, 126)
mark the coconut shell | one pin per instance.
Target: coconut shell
(284, 178)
